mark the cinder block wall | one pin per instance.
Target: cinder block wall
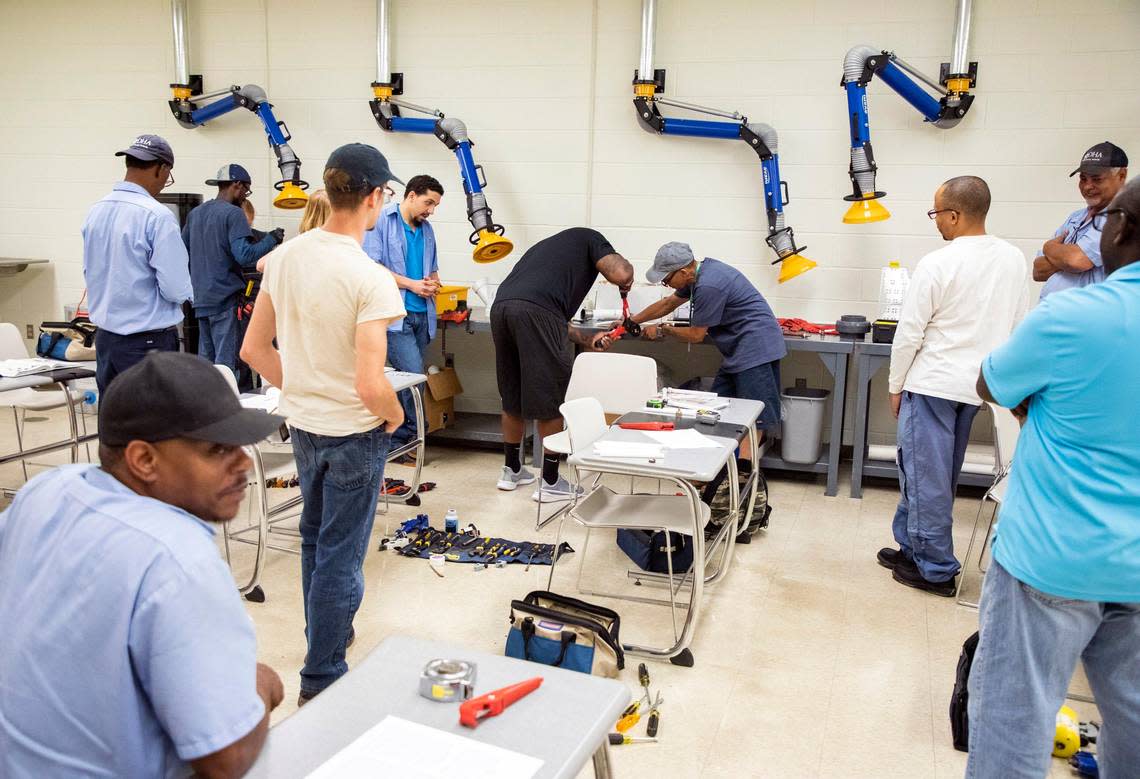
(544, 87)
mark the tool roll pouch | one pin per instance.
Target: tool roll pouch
(73, 341)
(566, 633)
(650, 552)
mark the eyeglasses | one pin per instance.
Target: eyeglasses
(936, 211)
(169, 180)
(665, 281)
(1123, 214)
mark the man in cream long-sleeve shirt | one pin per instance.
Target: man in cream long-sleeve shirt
(963, 301)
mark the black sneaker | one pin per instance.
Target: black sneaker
(907, 573)
(889, 558)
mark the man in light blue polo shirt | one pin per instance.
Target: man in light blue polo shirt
(403, 241)
(126, 650)
(1071, 258)
(135, 264)
(1064, 584)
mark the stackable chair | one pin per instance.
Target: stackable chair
(619, 382)
(1006, 431)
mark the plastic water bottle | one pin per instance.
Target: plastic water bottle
(90, 404)
(451, 521)
(893, 281)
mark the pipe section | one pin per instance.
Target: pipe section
(648, 39)
(181, 42)
(383, 74)
(958, 62)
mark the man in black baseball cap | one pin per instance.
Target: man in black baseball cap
(116, 568)
(1071, 258)
(135, 263)
(220, 242)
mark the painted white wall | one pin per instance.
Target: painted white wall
(544, 87)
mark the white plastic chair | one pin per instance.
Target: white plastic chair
(21, 401)
(1006, 431)
(619, 382)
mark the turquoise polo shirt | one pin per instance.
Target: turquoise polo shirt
(414, 263)
(1070, 522)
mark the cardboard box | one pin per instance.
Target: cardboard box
(439, 399)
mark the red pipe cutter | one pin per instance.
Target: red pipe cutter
(627, 326)
(493, 703)
(646, 425)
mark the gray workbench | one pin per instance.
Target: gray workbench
(564, 722)
(67, 373)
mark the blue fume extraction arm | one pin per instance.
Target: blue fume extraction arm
(187, 94)
(488, 239)
(761, 138)
(863, 63)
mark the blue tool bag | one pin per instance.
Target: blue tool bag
(566, 633)
(649, 551)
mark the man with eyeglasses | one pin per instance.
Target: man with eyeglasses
(217, 238)
(963, 301)
(403, 241)
(1064, 583)
(135, 264)
(1071, 258)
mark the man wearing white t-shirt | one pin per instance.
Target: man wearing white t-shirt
(329, 305)
(963, 301)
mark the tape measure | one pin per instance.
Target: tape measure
(447, 680)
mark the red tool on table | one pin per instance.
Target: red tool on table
(627, 326)
(493, 703)
(646, 425)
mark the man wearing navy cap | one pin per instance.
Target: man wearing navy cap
(217, 237)
(1071, 258)
(135, 264)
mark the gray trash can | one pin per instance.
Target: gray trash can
(803, 423)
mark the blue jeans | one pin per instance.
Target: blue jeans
(761, 382)
(218, 338)
(406, 353)
(933, 433)
(115, 353)
(340, 481)
(1030, 644)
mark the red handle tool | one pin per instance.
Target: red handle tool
(646, 425)
(493, 703)
(627, 326)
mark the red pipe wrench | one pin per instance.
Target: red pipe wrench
(492, 704)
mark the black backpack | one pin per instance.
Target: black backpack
(960, 699)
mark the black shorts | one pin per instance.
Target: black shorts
(533, 358)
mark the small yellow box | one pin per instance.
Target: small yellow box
(448, 298)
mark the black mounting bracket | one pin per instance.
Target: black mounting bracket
(658, 80)
(754, 141)
(945, 75)
(648, 115)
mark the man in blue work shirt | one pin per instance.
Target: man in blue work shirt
(135, 264)
(217, 237)
(1064, 584)
(1071, 258)
(126, 649)
(403, 241)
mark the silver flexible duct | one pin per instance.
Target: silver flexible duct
(181, 42)
(455, 128)
(958, 55)
(861, 169)
(767, 134)
(648, 36)
(854, 59)
(383, 74)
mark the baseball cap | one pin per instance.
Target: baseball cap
(670, 257)
(178, 395)
(148, 148)
(364, 164)
(228, 173)
(1103, 155)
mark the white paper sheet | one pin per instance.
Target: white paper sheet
(628, 450)
(13, 369)
(681, 439)
(268, 401)
(397, 747)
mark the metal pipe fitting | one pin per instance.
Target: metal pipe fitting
(648, 39)
(958, 55)
(383, 73)
(181, 42)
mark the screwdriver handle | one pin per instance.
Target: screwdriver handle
(627, 722)
(643, 675)
(654, 719)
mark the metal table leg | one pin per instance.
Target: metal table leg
(869, 365)
(602, 768)
(836, 364)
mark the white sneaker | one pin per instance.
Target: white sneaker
(511, 479)
(558, 492)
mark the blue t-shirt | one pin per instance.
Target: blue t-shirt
(1070, 522)
(215, 235)
(1085, 233)
(739, 319)
(126, 650)
(413, 264)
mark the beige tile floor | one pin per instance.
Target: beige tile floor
(810, 660)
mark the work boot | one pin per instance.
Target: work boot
(906, 572)
(510, 480)
(889, 558)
